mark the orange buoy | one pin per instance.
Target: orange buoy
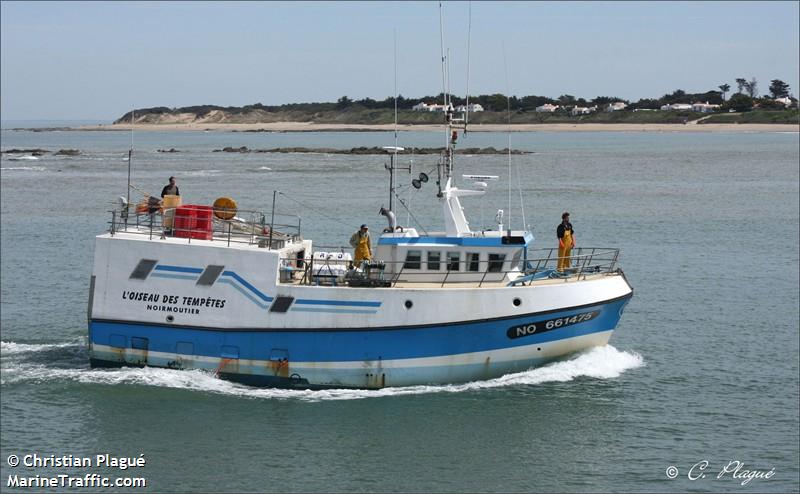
(225, 208)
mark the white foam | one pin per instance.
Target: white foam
(598, 363)
(8, 348)
(265, 168)
(23, 168)
(200, 173)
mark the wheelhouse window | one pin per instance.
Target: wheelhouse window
(413, 260)
(515, 260)
(454, 261)
(473, 261)
(496, 262)
(434, 260)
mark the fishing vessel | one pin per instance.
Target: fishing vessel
(244, 295)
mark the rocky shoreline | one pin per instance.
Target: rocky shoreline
(365, 150)
(287, 150)
(42, 152)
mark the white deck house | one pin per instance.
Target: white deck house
(547, 108)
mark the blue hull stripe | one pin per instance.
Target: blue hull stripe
(250, 287)
(333, 311)
(246, 294)
(347, 303)
(186, 273)
(178, 269)
(174, 276)
(333, 345)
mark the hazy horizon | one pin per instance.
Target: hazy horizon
(96, 61)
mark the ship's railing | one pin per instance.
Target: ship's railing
(250, 227)
(539, 264)
(544, 263)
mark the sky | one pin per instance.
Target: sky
(97, 60)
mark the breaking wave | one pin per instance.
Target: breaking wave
(24, 168)
(200, 173)
(23, 158)
(21, 363)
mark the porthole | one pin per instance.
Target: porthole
(517, 302)
(170, 318)
(539, 349)
(409, 304)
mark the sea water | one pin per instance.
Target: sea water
(703, 366)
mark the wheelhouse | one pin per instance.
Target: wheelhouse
(481, 256)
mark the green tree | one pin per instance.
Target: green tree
(677, 96)
(778, 88)
(741, 82)
(566, 100)
(648, 103)
(770, 104)
(343, 102)
(752, 87)
(531, 102)
(724, 88)
(713, 97)
(740, 102)
(495, 102)
(604, 100)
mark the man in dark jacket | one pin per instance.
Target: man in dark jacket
(170, 189)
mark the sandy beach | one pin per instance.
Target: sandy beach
(314, 127)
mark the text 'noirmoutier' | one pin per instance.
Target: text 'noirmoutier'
(179, 304)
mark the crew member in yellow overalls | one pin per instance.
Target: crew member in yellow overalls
(566, 241)
(360, 241)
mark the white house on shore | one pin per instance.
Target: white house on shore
(787, 101)
(677, 107)
(616, 106)
(582, 110)
(422, 106)
(704, 107)
(547, 108)
(473, 107)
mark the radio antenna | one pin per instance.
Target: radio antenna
(519, 174)
(469, 35)
(444, 66)
(395, 89)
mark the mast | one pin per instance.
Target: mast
(394, 153)
(456, 224)
(130, 157)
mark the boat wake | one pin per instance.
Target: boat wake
(44, 363)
